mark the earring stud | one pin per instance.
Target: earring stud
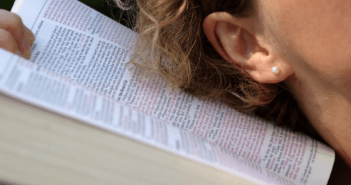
(275, 70)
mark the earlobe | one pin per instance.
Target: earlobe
(268, 69)
(237, 42)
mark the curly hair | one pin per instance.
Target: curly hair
(172, 43)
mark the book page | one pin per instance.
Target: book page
(78, 43)
(28, 82)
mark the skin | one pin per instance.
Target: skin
(314, 37)
(14, 36)
(309, 42)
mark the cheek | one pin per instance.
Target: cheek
(315, 31)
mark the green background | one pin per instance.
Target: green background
(6, 4)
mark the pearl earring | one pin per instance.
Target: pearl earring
(275, 70)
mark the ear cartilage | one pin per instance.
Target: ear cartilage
(275, 70)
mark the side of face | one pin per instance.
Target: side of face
(308, 40)
(314, 36)
(304, 39)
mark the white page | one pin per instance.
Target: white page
(26, 81)
(94, 52)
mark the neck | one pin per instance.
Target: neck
(328, 109)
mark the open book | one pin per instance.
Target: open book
(78, 70)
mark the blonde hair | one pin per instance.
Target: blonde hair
(172, 43)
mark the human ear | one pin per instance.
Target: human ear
(239, 42)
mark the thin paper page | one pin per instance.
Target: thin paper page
(76, 42)
(26, 81)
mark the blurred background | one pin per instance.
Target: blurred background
(106, 7)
